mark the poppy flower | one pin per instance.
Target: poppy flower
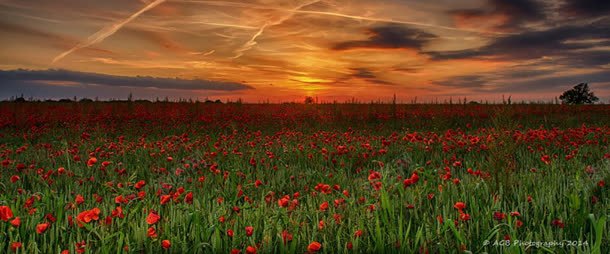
(286, 237)
(515, 213)
(139, 184)
(5, 213)
(88, 216)
(152, 218)
(188, 198)
(358, 233)
(15, 178)
(230, 233)
(165, 199)
(314, 247)
(464, 216)
(499, 216)
(91, 161)
(16, 245)
(250, 250)
(546, 159)
(16, 222)
(79, 199)
(460, 206)
(249, 230)
(166, 244)
(151, 232)
(324, 206)
(41, 228)
(284, 201)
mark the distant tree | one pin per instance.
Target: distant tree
(85, 100)
(309, 100)
(580, 94)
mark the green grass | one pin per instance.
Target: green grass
(514, 140)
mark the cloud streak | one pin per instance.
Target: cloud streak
(107, 31)
(72, 77)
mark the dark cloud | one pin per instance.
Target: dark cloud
(28, 76)
(517, 12)
(468, 81)
(557, 42)
(363, 73)
(390, 37)
(554, 83)
(504, 82)
(586, 8)
(368, 75)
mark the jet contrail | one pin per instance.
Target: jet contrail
(342, 15)
(107, 31)
(248, 45)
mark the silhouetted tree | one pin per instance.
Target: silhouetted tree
(309, 100)
(580, 94)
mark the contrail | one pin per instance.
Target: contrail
(248, 45)
(107, 31)
(356, 17)
(342, 15)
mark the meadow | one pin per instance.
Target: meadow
(118, 177)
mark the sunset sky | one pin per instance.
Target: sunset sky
(284, 50)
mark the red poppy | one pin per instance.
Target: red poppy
(188, 198)
(15, 178)
(16, 245)
(151, 232)
(499, 216)
(91, 161)
(16, 222)
(249, 230)
(286, 237)
(165, 199)
(250, 250)
(152, 218)
(519, 223)
(515, 213)
(324, 206)
(139, 184)
(314, 247)
(546, 159)
(460, 206)
(41, 228)
(464, 216)
(166, 244)
(5, 213)
(79, 199)
(230, 233)
(88, 216)
(284, 201)
(358, 233)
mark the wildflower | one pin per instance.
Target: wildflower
(314, 247)
(286, 237)
(88, 216)
(152, 218)
(499, 216)
(91, 161)
(250, 250)
(41, 228)
(324, 206)
(460, 206)
(16, 245)
(230, 232)
(16, 222)
(249, 230)
(166, 244)
(5, 213)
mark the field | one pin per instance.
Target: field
(118, 177)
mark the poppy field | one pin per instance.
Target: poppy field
(138, 177)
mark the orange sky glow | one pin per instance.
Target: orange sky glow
(284, 50)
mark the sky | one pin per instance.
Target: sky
(285, 50)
